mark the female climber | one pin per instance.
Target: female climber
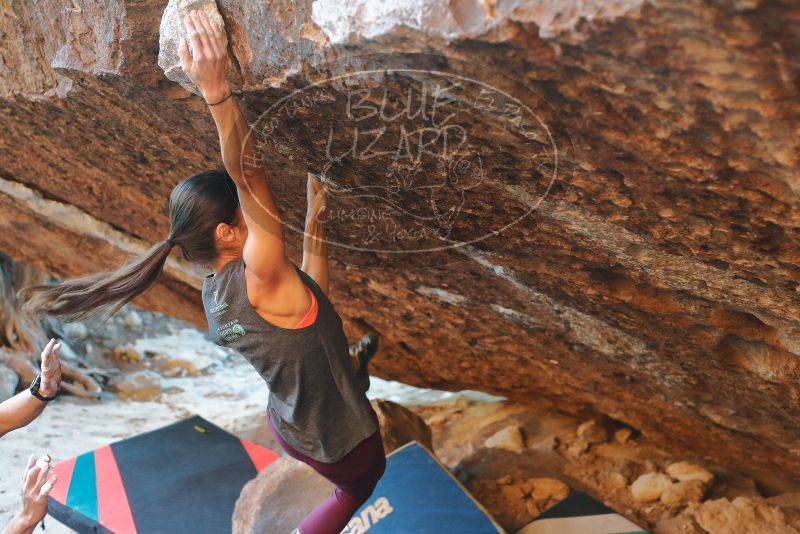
(256, 300)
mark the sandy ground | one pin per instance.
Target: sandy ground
(227, 396)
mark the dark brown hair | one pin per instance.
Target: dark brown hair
(196, 206)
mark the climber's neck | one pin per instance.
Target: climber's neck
(224, 259)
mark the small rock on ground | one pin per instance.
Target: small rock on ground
(593, 432)
(509, 438)
(140, 386)
(649, 486)
(688, 471)
(683, 493)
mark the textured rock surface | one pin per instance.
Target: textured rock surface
(745, 516)
(509, 438)
(655, 281)
(279, 498)
(684, 471)
(514, 502)
(649, 486)
(399, 426)
(172, 32)
(683, 493)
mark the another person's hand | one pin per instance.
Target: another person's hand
(35, 488)
(207, 63)
(51, 370)
(317, 197)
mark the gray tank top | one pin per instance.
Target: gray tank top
(315, 400)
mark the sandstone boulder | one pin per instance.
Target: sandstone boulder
(182, 354)
(399, 426)
(279, 498)
(509, 438)
(515, 502)
(141, 385)
(547, 491)
(684, 471)
(745, 516)
(650, 486)
(172, 31)
(683, 493)
(623, 435)
(577, 447)
(789, 499)
(680, 524)
(592, 432)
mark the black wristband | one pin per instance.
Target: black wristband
(221, 101)
(34, 389)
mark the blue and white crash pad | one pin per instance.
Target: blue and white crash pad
(418, 494)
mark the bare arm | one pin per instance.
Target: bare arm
(264, 252)
(315, 250)
(18, 411)
(21, 409)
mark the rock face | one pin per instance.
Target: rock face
(400, 426)
(744, 515)
(592, 201)
(279, 498)
(286, 491)
(518, 501)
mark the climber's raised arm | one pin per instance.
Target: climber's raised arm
(315, 251)
(207, 66)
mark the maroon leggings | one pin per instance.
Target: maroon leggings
(355, 477)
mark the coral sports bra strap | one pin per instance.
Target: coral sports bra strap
(311, 315)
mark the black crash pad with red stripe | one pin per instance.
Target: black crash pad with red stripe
(184, 477)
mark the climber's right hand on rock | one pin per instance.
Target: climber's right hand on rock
(316, 195)
(207, 63)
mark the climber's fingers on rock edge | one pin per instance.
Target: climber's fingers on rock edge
(213, 36)
(193, 33)
(186, 57)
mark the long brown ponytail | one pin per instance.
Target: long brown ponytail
(196, 206)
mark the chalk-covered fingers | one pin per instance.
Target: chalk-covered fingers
(30, 478)
(28, 466)
(35, 487)
(207, 64)
(203, 33)
(195, 34)
(189, 60)
(47, 486)
(35, 481)
(45, 482)
(51, 369)
(213, 36)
